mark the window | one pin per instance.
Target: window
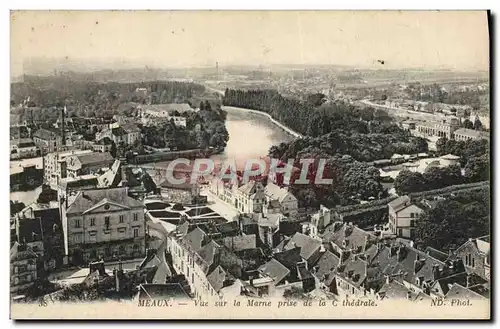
(412, 215)
(136, 232)
(122, 219)
(473, 265)
(77, 223)
(121, 250)
(412, 223)
(92, 222)
(136, 217)
(106, 223)
(107, 251)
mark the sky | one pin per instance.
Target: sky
(455, 40)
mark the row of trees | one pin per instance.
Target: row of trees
(452, 221)
(362, 147)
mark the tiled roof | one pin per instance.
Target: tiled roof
(208, 251)
(326, 265)
(89, 198)
(162, 291)
(45, 134)
(94, 158)
(218, 278)
(399, 203)
(275, 270)
(248, 188)
(275, 192)
(195, 238)
(460, 292)
(308, 246)
(130, 128)
(353, 236)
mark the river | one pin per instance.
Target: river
(250, 136)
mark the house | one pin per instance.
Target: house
(87, 163)
(103, 224)
(475, 254)
(103, 145)
(403, 215)
(127, 133)
(48, 140)
(287, 201)
(249, 198)
(165, 110)
(197, 256)
(23, 267)
(309, 247)
(54, 165)
(288, 269)
(346, 238)
(22, 148)
(324, 271)
(38, 226)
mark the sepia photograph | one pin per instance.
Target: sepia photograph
(300, 164)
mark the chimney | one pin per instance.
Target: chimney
(63, 133)
(435, 271)
(469, 281)
(117, 279)
(400, 253)
(388, 279)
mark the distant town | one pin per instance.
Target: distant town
(407, 215)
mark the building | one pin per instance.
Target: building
(39, 227)
(48, 140)
(249, 198)
(103, 145)
(464, 134)
(185, 193)
(403, 215)
(475, 254)
(444, 128)
(449, 160)
(54, 165)
(87, 163)
(23, 267)
(127, 133)
(103, 224)
(22, 148)
(202, 262)
(164, 110)
(408, 125)
(287, 201)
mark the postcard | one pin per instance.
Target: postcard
(250, 165)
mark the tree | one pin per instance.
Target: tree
(477, 124)
(451, 222)
(15, 207)
(113, 150)
(468, 124)
(47, 194)
(477, 169)
(409, 182)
